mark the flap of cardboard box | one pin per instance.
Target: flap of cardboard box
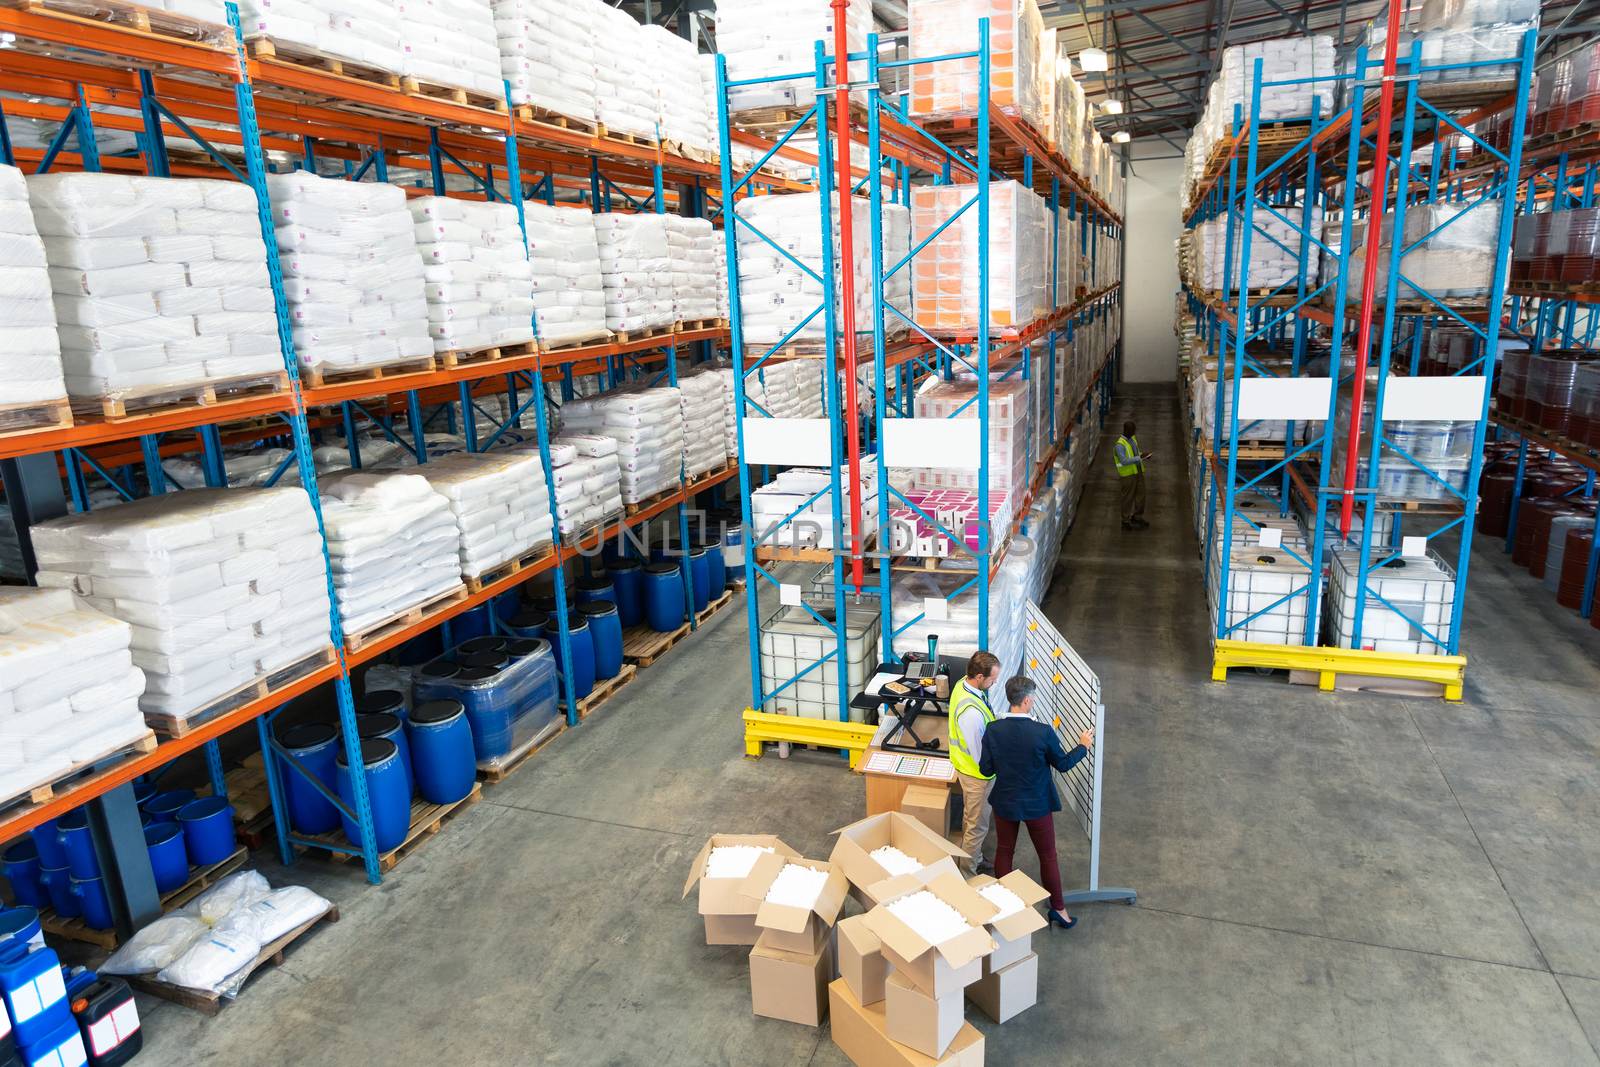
(906, 942)
(697, 869)
(1018, 923)
(829, 902)
(860, 935)
(853, 851)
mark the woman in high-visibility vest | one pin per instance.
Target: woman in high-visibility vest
(1130, 472)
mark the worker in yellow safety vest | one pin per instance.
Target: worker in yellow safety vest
(1130, 474)
(970, 716)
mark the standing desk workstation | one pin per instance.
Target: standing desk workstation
(911, 747)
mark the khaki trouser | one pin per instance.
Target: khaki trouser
(1132, 491)
(976, 815)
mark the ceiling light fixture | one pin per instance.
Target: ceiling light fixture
(1111, 107)
(1122, 137)
(1093, 59)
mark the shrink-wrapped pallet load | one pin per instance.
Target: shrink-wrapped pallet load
(625, 101)
(220, 586)
(648, 427)
(477, 274)
(947, 27)
(760, 39)
(1009, 435)
(498, 499)
(451, 44)
(1276, 242)
(588, 481)
(547, 54)
(160, 286)
(569, 293)
(704, 416)
(694, 248)
(351, 272)
(393, 541)
(53, 719)
(636, 269)
(948, 277)
(363, 31)
(30, 371)
(686, 111)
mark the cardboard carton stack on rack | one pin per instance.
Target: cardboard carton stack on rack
(895, 977)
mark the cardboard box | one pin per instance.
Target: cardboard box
(927, 1024)
(730, 915)
(1008, 991)
(792, 986)
(852, 853)
(790, 928)
(861, 962)
(1013, 935)
(862, 1034)
(952, 964)
(929, 805)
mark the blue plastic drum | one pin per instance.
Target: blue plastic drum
(490, 716)
(717, 568)
(382, 702)
(663, 597)
(529, 622)
(596, 587)
(48, 842)
(21, 926)
(389, 728)
(314, 747)
(20, 863)
(474, 622)
(700, 577)
(143, 791)
(78, 844)
(91, 896)
(207, 830)
(481, 644)
(387, 794)
(163, 807)
(627, 580)
(442, 754)
(581, 644)
(605, 630)
(169, 857)
(57, 882)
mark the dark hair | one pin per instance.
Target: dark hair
(1019, 688)
(1128, 427)
(981, 664)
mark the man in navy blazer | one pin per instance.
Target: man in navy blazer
(1019, 751)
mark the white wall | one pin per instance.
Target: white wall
(1150, 349)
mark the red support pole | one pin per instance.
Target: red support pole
(847, 279)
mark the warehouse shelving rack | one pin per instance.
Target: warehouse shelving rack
(235, 108)
(1324, 166)
(900, 150)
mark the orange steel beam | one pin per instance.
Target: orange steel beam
(112, 40)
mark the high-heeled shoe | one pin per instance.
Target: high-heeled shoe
(1055, 919)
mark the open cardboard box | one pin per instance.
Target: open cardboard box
(862, 1033)
(952, 965)
(1013, 934)
(852, 853)
(784, 926)
(730, 915)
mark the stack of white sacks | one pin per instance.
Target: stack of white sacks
(636, 269)
(686, 112)
(1452, 32)
(793, 389)
(1275, 247)
(451, 43)
(648, 427)
(569, 293)
(220, 586)
(364, 31)
(754, 392)
(625, 95)
(795, 509)
(704, 409)
(30, 373)
(50, 717)
(476, 272)
(587, 479)
(498, 499)
(760, 38)
(351, 271)
(694, 247)
(393, 542)
(159, 283)
(547, 54)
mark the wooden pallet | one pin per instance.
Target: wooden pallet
(405, 620)
(693, 325)
(31, 418)
(628, 138)
(452, 94)
(152, 21)
(1555, 287)
(649, 502)
(515, 566)
(545, 117)
(496, 775)
(174, 726)
(623, 337)
(211, 1003)
(317, 377)
(152, 400)
(200, 879)
(712, 608)
(301, 56)
(1447, 95)
(604, 690)
(683, 151)
(1580, 132)
(247, 791)
(426, 820)
(642, 646)
(604, 337)
(790, 554)
(463, 358)
(46, 791)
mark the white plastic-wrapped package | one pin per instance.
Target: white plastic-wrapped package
(211, 961)
(761, 38)
(156, 945)
(499, 502)
(720, 262)
(30, 371)
(704, 414)
(547, 54)
(947, 269)
(69, 689)
(686, 112)
(220, 586)
(693, 247)
(1282, 60)
(625, 102)
(795, 509)
(568, 288)
(478, 278)
(636, 268)
(393, 542)
(366, 31)
(1455, 247)
(160, 284)
(648, 427)
(947, 27)
(235, 892)
(351, 272)
(588, 481)
(1275, 247)
(450, 43)
(1009, 434)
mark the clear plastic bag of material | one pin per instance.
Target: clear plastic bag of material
(209, 964)
(238, 890)
(636, 270)
(273, 915)
(156, 945)
(947, 274)
(510, 708)
(760, 39)
(499, 504)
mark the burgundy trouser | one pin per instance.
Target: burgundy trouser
(1043, 832)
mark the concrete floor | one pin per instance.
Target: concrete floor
(1322, 878)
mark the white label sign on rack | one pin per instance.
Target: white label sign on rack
(1275, 399)
(787, 442)
(931, 443)
(1452, 398)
